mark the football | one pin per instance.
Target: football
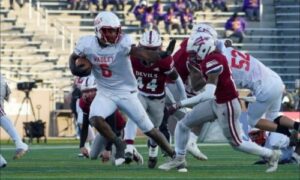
(83, 64)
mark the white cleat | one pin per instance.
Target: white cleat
(177, 162)
(119, 161)
(273, 161)
(3, 162)
(129, 153)
(137, 157)
(193, 149)
(21, 150)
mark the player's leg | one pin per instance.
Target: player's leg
(97, 119)
(200, 114)
(156, 114)
(131, 105)
(98, 146)
(228, 118)
(5, 122)
(3, 162)
(130, 131)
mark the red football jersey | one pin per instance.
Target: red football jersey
(180, 58)
(226, 89)
(151, 79)
(85, 106)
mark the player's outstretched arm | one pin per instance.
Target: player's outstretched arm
(84, 134)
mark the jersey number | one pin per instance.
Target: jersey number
(152, 85)
(242, 62)
(106, 72)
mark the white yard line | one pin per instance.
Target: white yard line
(38, 147)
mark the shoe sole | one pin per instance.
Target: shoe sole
(19, 154)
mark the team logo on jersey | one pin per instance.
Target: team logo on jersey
(211, 63)
(104, 59)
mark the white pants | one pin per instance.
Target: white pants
(268, 102)
(105, 103)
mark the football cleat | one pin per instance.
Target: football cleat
(177, 162)
(153, 153)
(21, 150)
(129, 153)
(273, 161)
(137, 157)
(193, 149)
(152, 161)
(3, 162)
(119, 156)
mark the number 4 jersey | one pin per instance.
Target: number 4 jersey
(248, 72)
(151, 78)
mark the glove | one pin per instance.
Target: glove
(84, 152)
(169, 50)
(105, 156)
(173, 108)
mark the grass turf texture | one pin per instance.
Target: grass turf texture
(58, 160)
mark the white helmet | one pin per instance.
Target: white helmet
(107, 20)
(200, 44)
(88, 83)
(205, 28)
(151, 39)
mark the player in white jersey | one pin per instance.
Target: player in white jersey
(109, 52)
(266, 86)
(6, 124)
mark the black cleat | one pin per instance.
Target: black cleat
(152, 161)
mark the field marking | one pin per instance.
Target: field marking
(38, 147)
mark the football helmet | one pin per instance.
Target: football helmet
(205, 28)
(200, 45)
(104, 23)
(151, 39)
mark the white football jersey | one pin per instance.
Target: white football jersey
(111, 65)
(248, 72)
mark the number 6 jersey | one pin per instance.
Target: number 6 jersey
(111, 64)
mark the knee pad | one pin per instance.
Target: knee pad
(277, 120)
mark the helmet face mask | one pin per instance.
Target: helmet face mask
(107, 27)
(150, 40)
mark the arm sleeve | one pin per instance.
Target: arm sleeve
(180, 87)
(207, 94)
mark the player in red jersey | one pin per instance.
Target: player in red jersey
(151, 80)
(180, 62)
(116, 122)
(219, 100)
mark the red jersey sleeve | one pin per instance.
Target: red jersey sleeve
(84, 106)
(166, 65)
(121, 122)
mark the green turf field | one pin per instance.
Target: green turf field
(58, 160)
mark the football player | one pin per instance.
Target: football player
(151, 78)
(219, 100)
(109, 53)
(116, 121)
(6, 124)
